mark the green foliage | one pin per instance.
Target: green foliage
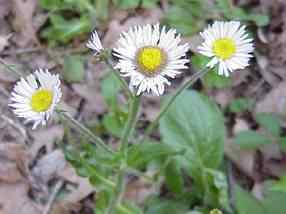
(273, 202)
(128, 4)
(194, 123)
(280, 185)
(140, 155)
(246, 203)
(188, 16)
(114, 121)
(211, 79)
(251, 139)
(64, 27)
(174, 176)
(158, 206)
(73, 69)
(110, 87)
(232, 12)
(241, 105)
(271, 132)
(91, 162)
(270, 122)
(63, 30)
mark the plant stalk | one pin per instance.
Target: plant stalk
(125, 86)
(164, 109)
(95, 139)
(128, 129)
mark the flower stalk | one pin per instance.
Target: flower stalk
(80, 127)
(107, 59)
(128, 129)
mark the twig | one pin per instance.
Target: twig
(53, 196)
(21, 51)
(15, 125)
(9, 67)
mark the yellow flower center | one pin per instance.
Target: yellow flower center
(150, 59)
(224, 48)
(42, 100)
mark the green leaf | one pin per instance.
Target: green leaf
(126, 4)
(159, 206)
(102, 9)
(128, 207)
(139, 155)
(211, 79)
(260, 20)
(246, 203)
(240, 105)
(233, 12)
(114, 122)
(251, 139)
(270, 122)
(62, 30)
(194, 123)
(174, 177)
(51, 4)
(73, 69)
(110, 87)
(274, 201)
(217, 186)
(282, 143)
(188, 17)
(280, 185)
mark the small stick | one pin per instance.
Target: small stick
(52, 198)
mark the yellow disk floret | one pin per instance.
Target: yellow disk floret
(41, 100)
(150, 59)
(224, 48)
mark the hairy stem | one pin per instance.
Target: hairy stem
(129, 127)
(95, 139)
(125, 86)
(164, 109)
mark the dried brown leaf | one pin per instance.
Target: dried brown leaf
(23, 22)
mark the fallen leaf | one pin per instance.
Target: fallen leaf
(115, 27)
(14, 162)
(14, 199)
(274, 101)
(80, 189)
(4, 41)
(46, 138)
(49, 166)
(5, 8)
(23, 22)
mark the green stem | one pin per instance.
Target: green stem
(130, 124)
(123, 209)
(164, 109)
(129, 127)
(95, 139)
(125, 86)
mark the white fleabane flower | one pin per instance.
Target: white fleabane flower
(229, 46)
(94, 43)
(35, 97)
(149, 56)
